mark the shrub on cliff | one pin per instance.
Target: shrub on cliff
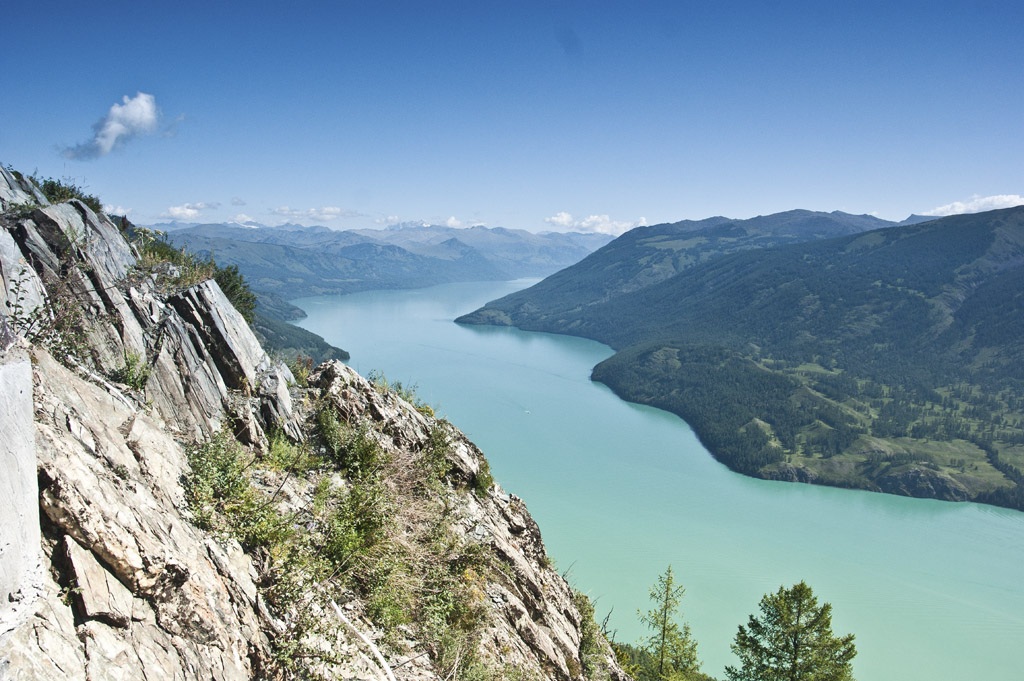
(58, 191)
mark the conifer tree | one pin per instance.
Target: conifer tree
(672, 650)
(792, 640)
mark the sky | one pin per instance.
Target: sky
(591, 116)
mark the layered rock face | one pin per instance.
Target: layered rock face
(104, 570)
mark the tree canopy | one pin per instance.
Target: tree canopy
(792, 640)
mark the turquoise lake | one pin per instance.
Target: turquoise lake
(932, 590)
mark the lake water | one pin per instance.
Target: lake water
(933, 590)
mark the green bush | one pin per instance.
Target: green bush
(353, 450)
(221, 497)
(232, 283)
(58, 191)
(135, 372)
(482, 479)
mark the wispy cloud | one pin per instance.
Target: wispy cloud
(322, 214)
(601, 224)
(977, 204)
(172, 129)
(235, 201)
(189, 211)
(136, 117)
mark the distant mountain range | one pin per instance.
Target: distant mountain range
(816, 346)
(293, 261)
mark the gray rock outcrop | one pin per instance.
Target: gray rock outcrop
(20, 554)
(923, 482)
(104, 571)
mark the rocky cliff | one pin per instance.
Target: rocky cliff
(182, 506)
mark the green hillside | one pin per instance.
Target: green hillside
(886, 360)
(647, 255)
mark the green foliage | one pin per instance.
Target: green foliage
(482, 479)
(382, 530)
(135, 372)
(671, 649)
(590, 648)
(434, 457)
(406, 392)
(222, 498)
(356, 522)
(838, 350)
(354, 450)
(285, 455)
(792, 640)
(58, 324)
(232, 283)
(155, 248)
(301, 367)
(58, 191)
(21, 210)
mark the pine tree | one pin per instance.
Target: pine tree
(672, 651)
(792, 641)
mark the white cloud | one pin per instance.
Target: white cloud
(389, 220)
(601, 224)
(137, 116)
(560, 219)
(235, 201)
(322, 214)
(189, 211)
(452, 222)
(111, 209)
(242, 218)
(978, 204)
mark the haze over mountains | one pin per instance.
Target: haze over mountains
(293, 261)
(886, 359)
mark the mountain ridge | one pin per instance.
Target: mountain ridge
(646, 255)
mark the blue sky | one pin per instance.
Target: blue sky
(551, 115)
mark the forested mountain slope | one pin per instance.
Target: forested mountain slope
(887, 360)
(647, 255)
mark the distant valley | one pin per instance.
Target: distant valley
(816, 347)
(292, 261)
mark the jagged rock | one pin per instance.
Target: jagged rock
(46, 646)
(134, 589)
(534, 618)
(21, 286)
(276, 405)
(232, 344)
(14, 191)
(136, 537)
(184, 384)
(99, 594)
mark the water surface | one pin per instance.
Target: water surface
(933, 590)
